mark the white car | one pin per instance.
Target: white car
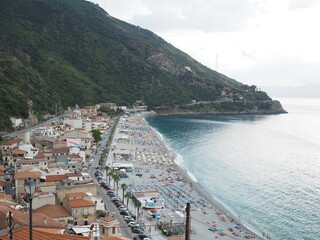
(135, 224)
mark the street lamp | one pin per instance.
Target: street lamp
(29, 188)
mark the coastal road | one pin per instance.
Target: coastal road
(111, 208)
(50, 121)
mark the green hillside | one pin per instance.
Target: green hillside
(72, 51)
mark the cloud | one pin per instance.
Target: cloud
(279, 71)
(166, 15)
(296, 4)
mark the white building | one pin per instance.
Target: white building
(97, 200)
(150, 199)
(33, 163)
(31, 151)
(16, 122)
(75, 123)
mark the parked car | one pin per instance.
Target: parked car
(137, 230)
(118, 204)
(143, 236)
(133, 224)
(124, 212)
(107, 187)
(130, 220)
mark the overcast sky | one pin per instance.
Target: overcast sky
(268, 43)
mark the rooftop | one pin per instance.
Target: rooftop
(81, 203)
(146, 193)
(40, 234)
(108, 219)
(54, 178)
(32, 160)
(22, 218)
(18, 151)
(53, 211)
(77, 194)
(26, 174)
(6, 196)
(11, 142)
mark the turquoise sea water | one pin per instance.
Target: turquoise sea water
(265, 168)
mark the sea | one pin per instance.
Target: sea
(264, 168)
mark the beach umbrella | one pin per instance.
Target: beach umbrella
(247, 233)
(238, 224)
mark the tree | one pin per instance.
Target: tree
(128, 196)
(100, 213)
(137, 204)
(96, 135)
(110, 175)
(116, 180)
(124, 187)
(107, 168)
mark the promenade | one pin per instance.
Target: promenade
(135, 143)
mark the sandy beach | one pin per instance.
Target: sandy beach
(138, 144)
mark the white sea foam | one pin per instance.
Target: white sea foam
(178, 160)
(192, 176)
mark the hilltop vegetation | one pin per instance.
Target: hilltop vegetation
(71, 51)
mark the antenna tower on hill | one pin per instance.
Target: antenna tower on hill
(217, 62)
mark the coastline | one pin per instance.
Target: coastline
(184, 172)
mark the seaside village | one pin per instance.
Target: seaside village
(122, 186)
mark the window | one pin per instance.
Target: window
(113, 230)
(85, 211)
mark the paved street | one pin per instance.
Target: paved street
(111, 208)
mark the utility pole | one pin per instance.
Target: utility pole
(217, 62)
(188, 221)
(9, 221)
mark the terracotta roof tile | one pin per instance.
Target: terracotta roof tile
(53, 211)
(81, 203)
(74, 174)
(77, 194)
(23, 234)
(11, 142)
(108, 219)
(1, 168)
(54, 178)
(18, 151)
(74, 156)
(61, 150)
(26, 174)
(6, 196)
(22, 218)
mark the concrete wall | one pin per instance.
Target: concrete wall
(63, 191)
(41, 200)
